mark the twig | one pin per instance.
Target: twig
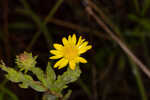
(77, 27)
(104, 17)
(118, 41)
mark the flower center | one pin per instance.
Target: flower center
(70, 52)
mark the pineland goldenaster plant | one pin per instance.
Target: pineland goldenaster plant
(70, 52)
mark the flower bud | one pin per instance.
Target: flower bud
(25, 61)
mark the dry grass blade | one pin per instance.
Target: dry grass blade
(119, 42)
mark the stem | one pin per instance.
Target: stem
(78, 27)
(6, 33)
(104, 17)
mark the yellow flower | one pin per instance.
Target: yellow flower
(70, 52)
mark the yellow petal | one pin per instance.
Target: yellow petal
(83, 44)
(57, 46)
(65, 41)
(82, 60)
(80, 41)
(74, 39)
(55, 57)
(57, 63)
(72, 64)
(69, 39)
(63, 63)
(84, 49)
(88, 47)
(55, 52)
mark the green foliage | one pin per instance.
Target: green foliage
(6, 92)
(146, 5)
(67, 95)
(49, 97)
(67, 77)
(50, 76)
(47, 81)
(143, 22)
(107, 59)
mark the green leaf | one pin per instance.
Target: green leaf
(39, 73)
(24, 85)
(67, 77)
(50, 75)
(26, 79)
(67, 95)
(13, 75)
(58, 85)
(38, 86)
(49, 97)
(70, 75)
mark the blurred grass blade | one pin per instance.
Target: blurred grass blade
(1, 95)
(9, 93)
(42, 24)
(146, 5)
(21, 25)
(136, 4)
(39, 23)
(144, 22)
(84, 87)
(138, 80)
(133, 17)
(67, 95)
(53, 11)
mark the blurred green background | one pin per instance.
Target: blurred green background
(34, 25)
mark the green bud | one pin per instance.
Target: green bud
(25, 61)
